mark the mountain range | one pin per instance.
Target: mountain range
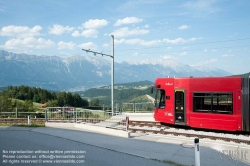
(77, 73)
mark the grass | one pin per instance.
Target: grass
(23, 125)
(35, 105)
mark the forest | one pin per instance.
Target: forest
(24, 97)
(123, 93)
(29, 98)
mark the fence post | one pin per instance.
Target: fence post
(116, 108)
(76, 114)
(16, 112)
(46, 118)
(29, 121)
(63, 113)
(134, 107)
(127, 123)
(103, 108)
(197, 151)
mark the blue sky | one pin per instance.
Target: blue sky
(212, 33)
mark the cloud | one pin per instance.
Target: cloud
(64, 45)
(86, 33)
(105, 45)
(137, 42)
(154, 42)
(95, 24)
(183, 53)
(135, 54)
(76, 34)
(183, 27)
(175, 41)
(154, 61)
(88, 45)
(226, 55)
(184, 48)
(202, 6)
(142, 42)
(119, 41)
(65, 54)
(124, 32)
(127, 20)
(28, 42)
(212, 60)
(212, 50)
(90, 33)
(20, 31)
(179, 40)
(58, 29)
(205, 62)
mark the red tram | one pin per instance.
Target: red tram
(220, 103)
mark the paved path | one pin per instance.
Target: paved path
(104, 150)
(92, 149)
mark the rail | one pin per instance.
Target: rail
(158, 128)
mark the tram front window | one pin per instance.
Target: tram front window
(160, 99)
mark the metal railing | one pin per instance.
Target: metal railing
(22, 113)
(75, 114)
(117, 121)
(81, 115)
(144, 107)
(71, 114)
(68, 114)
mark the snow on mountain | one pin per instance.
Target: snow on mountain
(210, 71)
(166, 66)
(204, 68)
(82, 72)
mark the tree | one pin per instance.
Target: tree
(95, 102)
(37, 98)
(41, 96)
(5, 102)
(53, 103)
(78, 101)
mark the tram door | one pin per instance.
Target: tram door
(180, 107)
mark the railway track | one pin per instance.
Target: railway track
(158, 128)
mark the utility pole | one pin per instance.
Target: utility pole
(112, 77)
(112, 70)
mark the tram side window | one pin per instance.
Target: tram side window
(160, 99)
(221, 103)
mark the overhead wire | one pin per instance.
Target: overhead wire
(191, 50)
(181, 45)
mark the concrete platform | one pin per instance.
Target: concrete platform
(90, 128)
(153, 146)
(141, 116)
